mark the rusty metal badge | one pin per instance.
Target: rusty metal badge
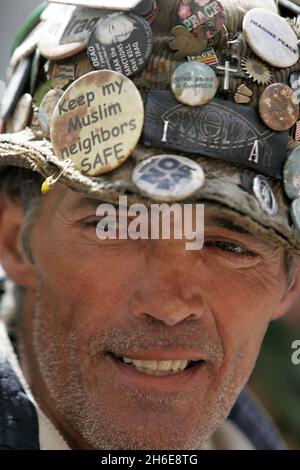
(277, 108)
(98, 122)
(47, 108)
(208, 13)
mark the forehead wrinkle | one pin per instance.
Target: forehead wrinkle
(84, 202)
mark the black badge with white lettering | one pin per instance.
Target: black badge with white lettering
(121, 42)
(144, 8)
(219, 129)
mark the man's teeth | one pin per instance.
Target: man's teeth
(158, 367)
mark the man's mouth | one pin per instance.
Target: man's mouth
(158, 368)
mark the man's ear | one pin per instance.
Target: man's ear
(17, 268)
(290, 295)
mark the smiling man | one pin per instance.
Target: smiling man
(131, 342)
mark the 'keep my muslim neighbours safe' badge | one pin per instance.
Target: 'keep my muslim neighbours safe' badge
(98, 122)
(122, 42)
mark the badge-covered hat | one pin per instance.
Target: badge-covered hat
(162, 100)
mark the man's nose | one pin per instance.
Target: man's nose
(170, 290)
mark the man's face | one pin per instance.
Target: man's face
(146, 300)
(115, 30)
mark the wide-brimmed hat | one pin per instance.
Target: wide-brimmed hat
(162, 100)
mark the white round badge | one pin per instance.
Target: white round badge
(168, 177)
(271, 38)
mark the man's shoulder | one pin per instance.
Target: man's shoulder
(18, 417)
(249, 417)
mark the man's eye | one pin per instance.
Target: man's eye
(231, 248)
(105, 225)
(91, 223)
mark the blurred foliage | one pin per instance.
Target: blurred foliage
(276, 380)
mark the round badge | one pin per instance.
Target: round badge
(47, 108)
(68, 34)
(291, 174)
(271, 38)
(98, 122)
(144, 8)
(152, 15)
(15, 87)
(20, 117)
(295, 213)
(83, 66)
(2, 126)
(196, 13)
(35, 70)
(121, 42)
(294, 81)
(265, 196)
(168, 178)
(61, 74)
(194, 83)
(277, 107)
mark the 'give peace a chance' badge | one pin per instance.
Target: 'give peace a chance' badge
(98, 122)
(122, 42)
(194, 83)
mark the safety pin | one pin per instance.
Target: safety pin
(52, 180)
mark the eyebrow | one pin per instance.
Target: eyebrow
(223, 222)
(88, 202)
